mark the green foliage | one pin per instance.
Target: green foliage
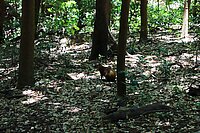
(165, 70)
(115, 14)
(177, 90)
(63, 16)
(195, 14)
(164, 17)
(71, 16)
(134, 17)
(136, 76)
(68, 15)
(12, 19)
(132, 49)
(86, 13)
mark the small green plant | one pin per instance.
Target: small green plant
(165, 70)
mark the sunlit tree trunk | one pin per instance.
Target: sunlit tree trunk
(121, 86)
(185, 25)
(27, 44)
(143, 12)
(2, 17)
(100, 35)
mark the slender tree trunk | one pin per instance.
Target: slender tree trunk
(185, 25)
(27, 44)
(143, 13)
(121, 86)
(2, 17)
(100, 35)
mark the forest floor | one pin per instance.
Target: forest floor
(160, 71)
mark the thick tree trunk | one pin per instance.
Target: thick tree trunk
(27, 44)
(100, 35)
(143, 12)
(121, 86)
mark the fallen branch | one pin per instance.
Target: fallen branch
(133, 113)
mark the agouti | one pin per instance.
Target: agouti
(107, 72)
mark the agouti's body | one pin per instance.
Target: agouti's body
(107, 72)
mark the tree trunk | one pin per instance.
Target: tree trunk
(184, 32)
(2, 17)
(121, 86)
(27, 44)
(100, 35)
(143, 13)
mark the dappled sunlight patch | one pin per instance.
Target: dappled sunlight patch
(80, 47)
(188, 39)
(171, 58)
(161, 123)
(133, 59)
(55, 104)
(92, 77)
(74, 49)
(185, 57)
(34, 96)
(151, 58)
(173, 39)
(83, 75)
(78, 62)
(73, 109)
(148, 73)
(67, 107)
(105, 100)
(136, 92)
(77, 76)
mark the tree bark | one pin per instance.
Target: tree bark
(100, 35)
(143, 13)
(121, 86)
(185, 25)
(27, 44)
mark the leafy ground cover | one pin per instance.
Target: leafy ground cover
(70, 97)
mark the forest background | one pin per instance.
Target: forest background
(68, 94)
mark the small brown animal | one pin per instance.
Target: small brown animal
(107, 72)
